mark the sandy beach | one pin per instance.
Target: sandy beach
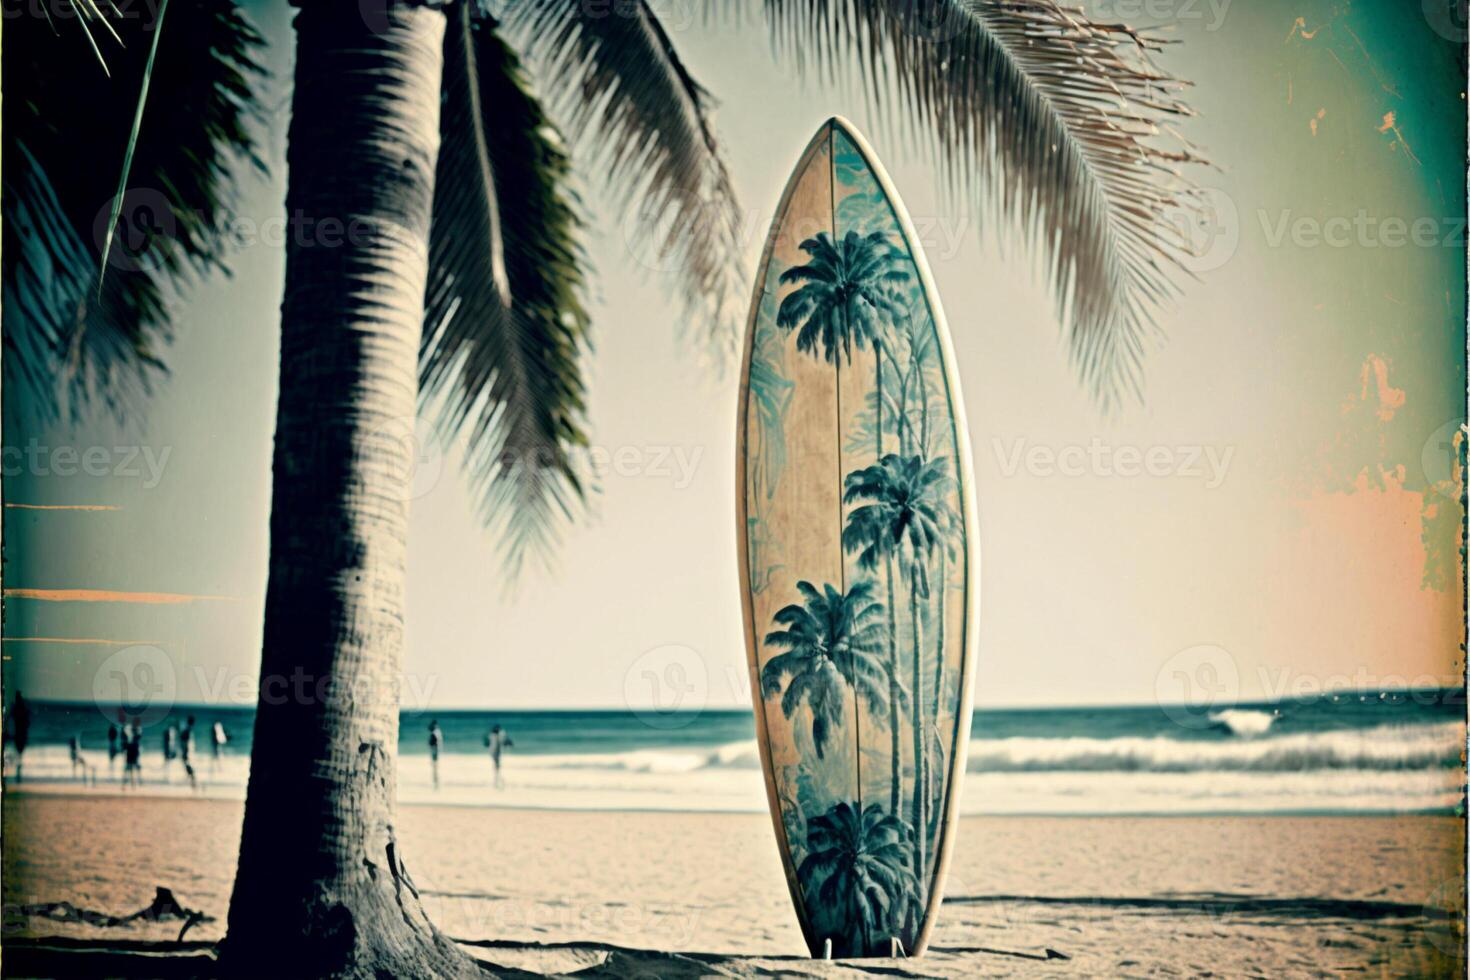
(1173, 896)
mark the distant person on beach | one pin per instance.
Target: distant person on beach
(133, 753)
(217, 739)
(186, 746)
(124, 735)
(170, 745)
(79, 761)
(497, 741)
(19, 729)
(436, 742)
(114, 742)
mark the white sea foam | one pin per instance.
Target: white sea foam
(1388, 747)
(736, 755)
(1386, 769)
(1241, 721)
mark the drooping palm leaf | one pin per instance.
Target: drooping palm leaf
(644, 123)
(131, 149)
(505, 331)
(66, 346)
(1061, 122)
(86, 13)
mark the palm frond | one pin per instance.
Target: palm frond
(505, 331)
(645, 125)
(1062, 123)
(69, 347)
(87, 12)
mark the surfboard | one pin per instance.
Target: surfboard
(859, 565)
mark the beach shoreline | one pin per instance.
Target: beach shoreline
(1385, 754)
(1279, 895)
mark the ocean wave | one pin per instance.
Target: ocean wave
(735, 755)
(1381, 748)
(1241, 721)
(1385, 747)
(1136, 775)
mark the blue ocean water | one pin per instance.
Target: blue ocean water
(1343, 753)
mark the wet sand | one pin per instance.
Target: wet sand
(560, 892)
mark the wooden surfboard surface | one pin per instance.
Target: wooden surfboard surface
(859, 561)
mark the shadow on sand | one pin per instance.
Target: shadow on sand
(90, 958)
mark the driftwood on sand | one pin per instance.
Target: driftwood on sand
(163, 908)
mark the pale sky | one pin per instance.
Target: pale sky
(1261, 518)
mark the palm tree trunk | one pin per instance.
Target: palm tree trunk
(938, 674)
(895, 750)
(923, 403)
(321, 888)
(878, 358)
(919, 824)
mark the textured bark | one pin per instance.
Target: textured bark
(322, 888)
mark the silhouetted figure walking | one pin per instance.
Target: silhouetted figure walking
(217, 739)
(114, 741)
(170, 747)
(436, 742)
(20, 729)
(79, 762)
(497, 741)
(133, 753)
(186, 747)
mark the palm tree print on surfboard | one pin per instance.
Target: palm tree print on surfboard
(860, 576)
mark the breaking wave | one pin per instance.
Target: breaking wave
(1386, 747)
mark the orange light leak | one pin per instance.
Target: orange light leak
(62, 507)
(109, 595)
(78, 641)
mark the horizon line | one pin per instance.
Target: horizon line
(113, 595)
(11, 506)
(737, 709)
